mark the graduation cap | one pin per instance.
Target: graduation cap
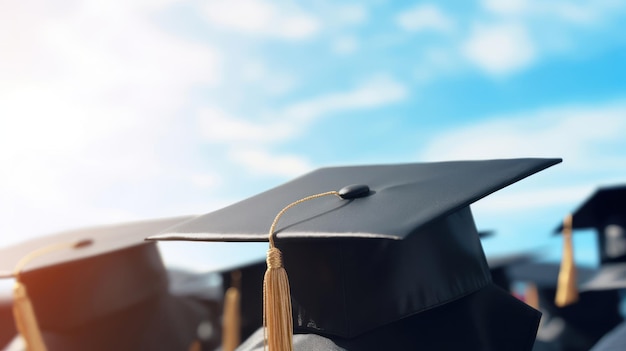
(499, 265)
(604, 211)
(574, 327)
(236, 285)
(379, 256)
(100, 288)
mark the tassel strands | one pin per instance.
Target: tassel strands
(25, 320)
(231, 331)
(567, 292)
(278, 319)
(277, 314)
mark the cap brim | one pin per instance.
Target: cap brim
(608, 277)
(103, 239)
(545, 274)
(403, 198)
(604, 202)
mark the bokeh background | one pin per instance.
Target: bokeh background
(128, 109)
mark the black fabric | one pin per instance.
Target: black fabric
(579, 326)
(613, 341)
(161, 322)
(251, 293)
(87, 289)
(403, 198)
(406, 251)
(113, 300)
(605, 211)
(488, 320)
(346, 287)
(605, 202)
(575, 327)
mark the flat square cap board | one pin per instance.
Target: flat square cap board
(605, 212)
(110, 294)
(405, 245)
(604, 204)
(99, 240)
(403, 198)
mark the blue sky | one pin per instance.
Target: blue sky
(122, 110)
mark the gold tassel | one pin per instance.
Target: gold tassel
(231, 331)
(25, 320)
(277, 304)
(567, 292)
(277, 314)
(531, 296)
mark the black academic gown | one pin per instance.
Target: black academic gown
(487, 320)
(613, 341)
(579, 326)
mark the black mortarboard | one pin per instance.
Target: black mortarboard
(249, 280)
(111, 294)
(400, 246)
(575, 327)
(499, 264)
(605, 211)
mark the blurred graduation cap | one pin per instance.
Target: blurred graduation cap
(100, 288)
(499, 265)
(604, 211)
(575, 327)
(222, 273)
(391, 262)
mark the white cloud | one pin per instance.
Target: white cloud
(351, 14)
(90, 96)
(505, 6)
(345, 45)
(249, 141)
(578, 12)
(500, 49)
(269, 81)
(217, 126)
(425, 17)
(262, 162)
(262, 18)
(574, 132)
(376, 91)
(590, 139)
(205, 180)
(532, 199)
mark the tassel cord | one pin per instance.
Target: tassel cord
(567, 292)
(277, 314)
